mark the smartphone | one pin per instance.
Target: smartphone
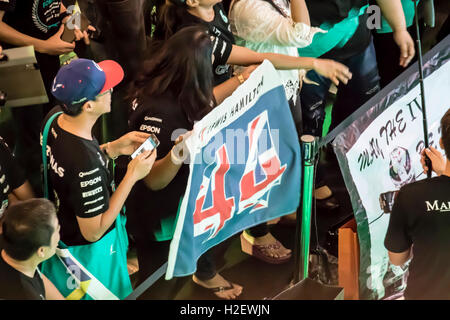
(69, 31)
(151, 143)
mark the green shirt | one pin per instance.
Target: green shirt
(408, 9)
(337, 36)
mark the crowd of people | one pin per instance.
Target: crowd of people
(176, 61)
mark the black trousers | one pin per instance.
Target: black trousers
(363, 85)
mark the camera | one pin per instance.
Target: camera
(387, 201)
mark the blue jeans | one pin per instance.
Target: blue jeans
(363, 85)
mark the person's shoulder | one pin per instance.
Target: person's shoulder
(186, 19)
(54, 110)
(426, 184)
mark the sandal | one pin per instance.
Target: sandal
(213, 291)
(325, 199)
(260, 251)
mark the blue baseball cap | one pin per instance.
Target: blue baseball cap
(83, 80)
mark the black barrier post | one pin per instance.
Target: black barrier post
(422, 88)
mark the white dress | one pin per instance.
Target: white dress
(257, 25)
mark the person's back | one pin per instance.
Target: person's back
(419, 227)
(424, 208)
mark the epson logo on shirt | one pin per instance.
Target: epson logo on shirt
(150, 129)
(92, 192)
(84, 184)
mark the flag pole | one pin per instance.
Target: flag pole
(422, 87)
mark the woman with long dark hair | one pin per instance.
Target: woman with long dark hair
(174, 90)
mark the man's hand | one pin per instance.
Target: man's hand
(54, 45)
(126, 144)
(140, 166)
(438, 161)
(406, 44)
(78, 33)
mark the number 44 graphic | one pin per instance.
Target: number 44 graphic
(253, 195)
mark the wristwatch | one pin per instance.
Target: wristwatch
(240, 78)
(105, 150)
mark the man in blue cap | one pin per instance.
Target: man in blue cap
(88, 210)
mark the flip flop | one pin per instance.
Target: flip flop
(259, 251)
(213, 291)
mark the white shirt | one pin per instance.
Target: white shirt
(257, 25)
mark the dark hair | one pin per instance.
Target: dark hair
(445, 129)
(170, 18)
(181, 66)
(72, 110)
(27, 226)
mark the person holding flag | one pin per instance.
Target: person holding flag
(173, 91)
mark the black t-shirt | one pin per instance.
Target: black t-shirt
(421, 218)
(223, 39)
(15, 285)
(80, 179)
(148, 210)
(332, 12)
(36, 18)
(11, 175)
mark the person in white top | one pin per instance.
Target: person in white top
(278, 26)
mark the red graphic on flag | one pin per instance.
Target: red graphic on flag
(252, 194)
(222, 208)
